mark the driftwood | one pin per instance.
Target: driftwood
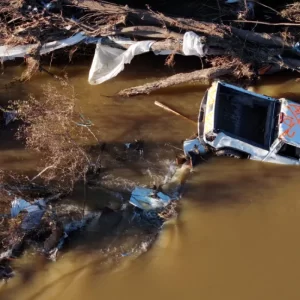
(205, 74)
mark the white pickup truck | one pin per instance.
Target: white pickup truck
(238, 123)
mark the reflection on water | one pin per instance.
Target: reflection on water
(237, 236)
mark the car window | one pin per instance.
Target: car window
(289, 151)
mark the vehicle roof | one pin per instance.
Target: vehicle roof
(289, 128)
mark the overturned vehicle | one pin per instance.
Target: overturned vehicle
(238, 123)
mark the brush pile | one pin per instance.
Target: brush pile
(243, 39)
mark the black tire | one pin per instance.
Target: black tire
(230, 153)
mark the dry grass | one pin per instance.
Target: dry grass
(292, 12)
(241, 70)
(51, 128)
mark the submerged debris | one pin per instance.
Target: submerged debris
(35, 212)
(148, 199)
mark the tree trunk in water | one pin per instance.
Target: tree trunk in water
(147, 88)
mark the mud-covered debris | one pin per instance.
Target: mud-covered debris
(35, 212)
(6, 270)
(148, 199)
(170, 211)
(55, 236)
(137, 145)
(9, 116)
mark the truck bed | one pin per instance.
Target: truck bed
(245, 116)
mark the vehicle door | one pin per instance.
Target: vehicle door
(284, 153)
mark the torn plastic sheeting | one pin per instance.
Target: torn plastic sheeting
(52, 46)
(9, 116)
(114, 39)
(108, 62)
(32, 220)
(192, 44)
(144, 199)
(7, 52)
(18, 205)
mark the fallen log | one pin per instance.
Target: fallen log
(251, 47)
(220, 35)
(180, 78)
(148, 17)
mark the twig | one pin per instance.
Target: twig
(13, 20)
(264, 5)
(219, 7)
(84, 194)
(87, 127)
(149, 31)
(79, 148)
(44, 170)
(49, 73)
(265, 23)
(168, 144)
(157, 103)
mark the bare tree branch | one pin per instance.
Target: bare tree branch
(148, 88)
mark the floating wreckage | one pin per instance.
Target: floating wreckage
(35, 212)
(40, 226)
(159, 198)
(148, 199)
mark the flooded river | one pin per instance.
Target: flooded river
(238, 232)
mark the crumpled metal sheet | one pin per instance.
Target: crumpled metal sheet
(35, 212)
(145, 199)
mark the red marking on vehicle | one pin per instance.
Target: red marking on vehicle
(281, 116)
(291, 121)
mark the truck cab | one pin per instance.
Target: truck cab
(238, 123)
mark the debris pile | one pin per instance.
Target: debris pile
(41, 226)
(237, 47)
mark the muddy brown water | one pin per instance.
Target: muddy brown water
(238, 232)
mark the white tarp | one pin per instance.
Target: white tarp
(8, 52)
(108, 62)
(145, 199)
(192, 44)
